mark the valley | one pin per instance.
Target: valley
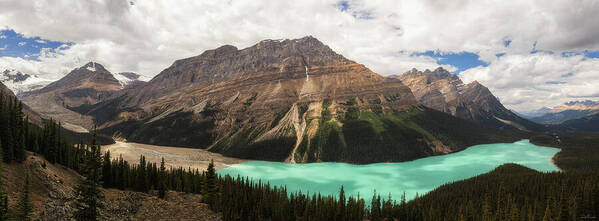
(290, 125)
(174, 157)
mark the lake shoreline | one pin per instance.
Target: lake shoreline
(417, 176)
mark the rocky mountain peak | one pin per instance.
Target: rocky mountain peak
(584, 103)
(431, 76)
(219, 52)
(444, 91)
(291, 57)
(15, 76)
(93, 67)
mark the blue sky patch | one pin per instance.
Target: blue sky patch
(591, 54)
(567, 75)
(13, 44)
(586, 53)
(462, 60)
(507, 43)
(556, 82)
(343, 5)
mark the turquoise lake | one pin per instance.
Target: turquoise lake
(413, 177)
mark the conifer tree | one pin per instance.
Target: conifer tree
(141, 175)
(547, 216)
(162, 180)
(89, 195)
(5, 131)
(25, 207)
(107, 170)
(375, 207)
(341, 212)
(19, 132)
(3, 197)
(211, 189)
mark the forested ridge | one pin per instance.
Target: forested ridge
(510, 192)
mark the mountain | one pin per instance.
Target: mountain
(535, 113)
(285, 100)
(18, 82)
(83, 86)
(444, 91)
(567, 111)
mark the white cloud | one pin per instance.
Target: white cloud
(22, 43)
(148, 36)
(528, 82)
(2, 36)
(41, 41)
(3, 48)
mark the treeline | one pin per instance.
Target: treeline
(511, 192)
(13, 129)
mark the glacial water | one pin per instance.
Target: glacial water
(413, 177)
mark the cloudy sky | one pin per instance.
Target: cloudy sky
(529, 53)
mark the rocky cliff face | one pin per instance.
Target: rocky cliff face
(445, 92)
(277, 100)
(82, 87)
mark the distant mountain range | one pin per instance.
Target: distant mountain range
(287, 100)
(567, 111)
(19, 82)
(283, 100)
(82, 87)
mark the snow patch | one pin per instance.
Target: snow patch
(126, 80)
(307, 76)
(33, 82)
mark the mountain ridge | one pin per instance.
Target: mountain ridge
(568, 111)
(444, 91)
(19, 82)
(284, 100)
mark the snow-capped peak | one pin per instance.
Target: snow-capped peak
(91, 67)
(19, 82)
